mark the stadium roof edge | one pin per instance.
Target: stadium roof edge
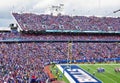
(91, 16)
(16, 21)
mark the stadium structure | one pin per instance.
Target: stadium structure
(44, 40)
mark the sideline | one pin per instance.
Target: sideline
(47, 70)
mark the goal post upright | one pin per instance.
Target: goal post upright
(69, 52)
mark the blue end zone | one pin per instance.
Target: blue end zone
(79, 75)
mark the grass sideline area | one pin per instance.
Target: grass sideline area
(57, 73)
(109, 76)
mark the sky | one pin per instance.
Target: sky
(71, 7)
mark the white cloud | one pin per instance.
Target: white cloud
(43, 4)
(71, 7)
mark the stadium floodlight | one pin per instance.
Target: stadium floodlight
(61, 4)
(56, 9)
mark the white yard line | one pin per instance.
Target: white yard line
(99, 64)
(66, 74)
(110, 73)
(90, 64)
(104, 76)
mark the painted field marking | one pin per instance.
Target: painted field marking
(77, 75)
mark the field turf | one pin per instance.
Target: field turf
(109, 76)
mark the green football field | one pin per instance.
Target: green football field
(109, 76)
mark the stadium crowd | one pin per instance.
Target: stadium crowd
(29, 21)
(20, 63)
(25, 61)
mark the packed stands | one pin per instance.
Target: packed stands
(23, 62)
(19, 60)
(29, 21)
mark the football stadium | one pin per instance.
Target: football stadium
(48, 48)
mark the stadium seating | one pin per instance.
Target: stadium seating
(28, 59)
(29, 21)
(25, 61)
